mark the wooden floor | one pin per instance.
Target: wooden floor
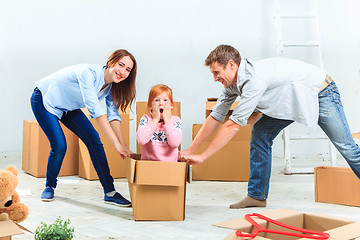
(207, 203)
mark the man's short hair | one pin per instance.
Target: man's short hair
(222, 54)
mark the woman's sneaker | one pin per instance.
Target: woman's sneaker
(117, 200)
(48, 194)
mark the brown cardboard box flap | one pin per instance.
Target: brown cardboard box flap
(349, 231)
(9, 228)
(146, 172)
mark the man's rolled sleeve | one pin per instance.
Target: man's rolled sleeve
(223, 105)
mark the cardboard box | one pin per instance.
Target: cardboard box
(116, 163)
(338, 228)
(231, 163)
(36, 149)
(210, 104)
(157, 189)
(337, 185)
(141, 109)
(9, 228)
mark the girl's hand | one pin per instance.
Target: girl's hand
(156, 115)
(167, 112)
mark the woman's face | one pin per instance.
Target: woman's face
(121, 70)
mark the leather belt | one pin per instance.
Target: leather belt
(326, 82)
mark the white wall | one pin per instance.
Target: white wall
(170, 40)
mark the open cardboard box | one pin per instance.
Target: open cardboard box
(9, 228)
(157, 189)
(338, 228)
(337, 185)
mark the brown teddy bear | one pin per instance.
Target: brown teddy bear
(9, 198)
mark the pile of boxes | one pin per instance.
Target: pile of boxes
(232, 162)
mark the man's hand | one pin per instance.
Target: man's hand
(194, 159)
(185, 152)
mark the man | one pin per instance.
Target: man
(284, 91)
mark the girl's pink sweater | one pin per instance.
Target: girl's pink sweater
(159, 142)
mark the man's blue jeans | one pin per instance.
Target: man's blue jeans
(332, 121)
(80, 125)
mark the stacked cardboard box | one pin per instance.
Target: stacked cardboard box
(232, 162)
(36, 149)
(337, 185)
(142, 109)
(157, 189)
(116, 163)
(338, 228)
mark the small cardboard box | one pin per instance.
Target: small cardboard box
(210, 104)
(157, 189)
(231, 163)
(116, 163)
(338, 228)
(337, 185)
(9, 228)
(36, 149)
(141, 109)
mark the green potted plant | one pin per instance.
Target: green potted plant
(59, 230)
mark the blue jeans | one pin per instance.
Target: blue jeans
(80, 125)
(332, 121)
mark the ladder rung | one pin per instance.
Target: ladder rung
(299, 15)
(302, 44)
(307, 137)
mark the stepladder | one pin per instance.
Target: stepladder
(298, 36)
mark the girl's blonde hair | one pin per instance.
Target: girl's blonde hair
(157, 90)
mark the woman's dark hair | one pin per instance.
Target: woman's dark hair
(123, 93)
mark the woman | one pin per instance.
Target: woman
(61, 95)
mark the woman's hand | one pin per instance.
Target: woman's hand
(123, 151)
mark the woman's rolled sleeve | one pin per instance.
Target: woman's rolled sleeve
(112, 111)
(86, 77)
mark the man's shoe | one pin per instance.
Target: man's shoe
(48, 194)
(117, 200)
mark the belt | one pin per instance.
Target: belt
(326, 82)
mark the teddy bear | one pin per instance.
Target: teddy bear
(9, 198)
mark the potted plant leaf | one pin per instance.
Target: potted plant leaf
(59, 230)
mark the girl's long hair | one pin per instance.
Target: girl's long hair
(123, 93)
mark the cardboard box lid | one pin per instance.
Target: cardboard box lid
(9, 228)
(146, 172)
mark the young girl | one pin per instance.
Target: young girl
(61, 95)
(159, 133)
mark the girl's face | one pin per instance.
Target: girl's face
(162, 101)
(121, 70)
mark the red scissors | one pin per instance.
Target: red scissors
(259, 229)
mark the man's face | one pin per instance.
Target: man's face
(226, 76)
